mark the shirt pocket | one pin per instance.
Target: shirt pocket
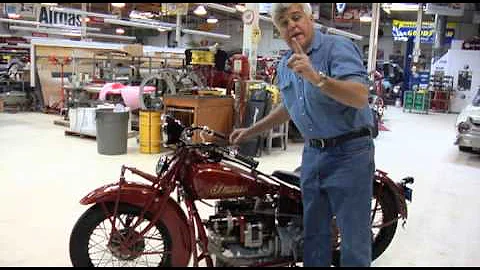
(285, 83)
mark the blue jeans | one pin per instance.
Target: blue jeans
(338, 181)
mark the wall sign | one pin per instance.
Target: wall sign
(447, 9)
(49, 16)
(401, 30)
(341, 7)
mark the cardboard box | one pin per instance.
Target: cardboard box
(1, 105)
(135, 50)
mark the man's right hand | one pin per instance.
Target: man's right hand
(238, 135)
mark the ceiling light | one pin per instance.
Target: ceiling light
(13, 16)
(120, 31)
(203, 33)
(387, 7)
(34, 23)
(221, 7)
(137, 24)
(48, 4)
(366, 18)
(47, 31)
(200, 10)
(118, 5)
(212, 20)
(130, 38)
(160, 29)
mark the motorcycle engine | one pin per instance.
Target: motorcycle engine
(253, 230)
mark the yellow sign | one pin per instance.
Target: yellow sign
(256, 35)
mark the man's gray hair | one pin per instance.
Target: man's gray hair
(279, 8)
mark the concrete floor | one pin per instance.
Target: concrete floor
(45, 173)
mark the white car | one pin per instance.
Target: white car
(468, 126)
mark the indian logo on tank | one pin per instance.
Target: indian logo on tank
(219, 189)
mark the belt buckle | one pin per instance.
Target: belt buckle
(322, 143)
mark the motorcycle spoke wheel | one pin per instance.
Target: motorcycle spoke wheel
(94, 241)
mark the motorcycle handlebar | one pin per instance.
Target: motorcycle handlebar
(245, 159)
(250, 161)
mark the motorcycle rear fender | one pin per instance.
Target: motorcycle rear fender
(172, 215)
(397, 191)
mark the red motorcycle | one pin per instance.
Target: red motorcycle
(257, 220)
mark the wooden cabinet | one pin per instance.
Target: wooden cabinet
(214, 112)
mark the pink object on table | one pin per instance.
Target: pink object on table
(130, 95)
(110, 88)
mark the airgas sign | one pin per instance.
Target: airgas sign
(49, 16)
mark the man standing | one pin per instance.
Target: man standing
(323, 86)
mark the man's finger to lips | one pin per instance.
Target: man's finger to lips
(298, 48)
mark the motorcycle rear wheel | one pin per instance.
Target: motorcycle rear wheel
(92, 231)
(384, 212)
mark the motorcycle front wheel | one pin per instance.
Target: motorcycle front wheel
(383, 211)
(93, 242)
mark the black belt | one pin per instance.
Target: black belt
(331, 142)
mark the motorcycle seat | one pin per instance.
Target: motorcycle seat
(293, 178)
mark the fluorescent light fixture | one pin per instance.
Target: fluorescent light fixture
(118, 5)
(120, 31)
(221, 7)
(387, 7)
(47, 31)
(140, 15)
(13, 16)
(130, 38)
(49, 4)
(339, 32)
(207, 34)
(137, 24)
(212, 20)
(79, 11)
(200, 10)
(155, 22)
(34, 23)
(366, 18)
(69, 33)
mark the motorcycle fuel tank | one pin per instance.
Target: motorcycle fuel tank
(220, 181)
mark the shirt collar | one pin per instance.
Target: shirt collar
(317, 41)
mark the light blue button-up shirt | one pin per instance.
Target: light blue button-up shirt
(315, 114)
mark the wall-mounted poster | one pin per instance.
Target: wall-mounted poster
(401, 30)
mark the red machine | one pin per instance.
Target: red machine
(240, 68)
(55, 61)
(257, 219)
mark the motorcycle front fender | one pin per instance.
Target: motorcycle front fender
(172, 215)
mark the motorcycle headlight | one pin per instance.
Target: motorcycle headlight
(171, 129)
(162, 165)
(463, 127)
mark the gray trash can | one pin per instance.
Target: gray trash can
(112, 131)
